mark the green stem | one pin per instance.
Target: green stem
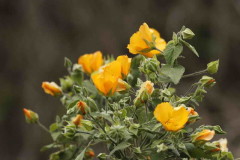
(195, 74)
(103, 130)
(42, 126)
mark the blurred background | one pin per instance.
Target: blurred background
(35, 36)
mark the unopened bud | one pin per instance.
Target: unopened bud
(90, 154)
(212, 67)
(144, 93)
(204, 135)
(192, 112)
(51, 88)
(31, 117)
(188, 34)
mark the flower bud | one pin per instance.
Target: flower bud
(144, 93)
(204, 135)
(207, 81)
(212, 67)
(192, 112)
(83, 107)
(90, 154)
(31, 117)
(51, 88)
(188, 34)
(77, 120)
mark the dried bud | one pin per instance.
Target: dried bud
(31, 117)
(83, 107)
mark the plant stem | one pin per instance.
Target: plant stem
(42, 126)
(103, 130)
(194, 74)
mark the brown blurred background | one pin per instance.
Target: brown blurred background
(35, 36)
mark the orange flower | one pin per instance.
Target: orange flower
(173, 119)
(204, 135)
(125, 64)
(82, 106)
(77, 120)
(91, 62)
(51, 88)
(145, 41)
(106, 80)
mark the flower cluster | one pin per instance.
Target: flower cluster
(130, 105)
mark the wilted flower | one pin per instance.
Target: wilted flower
(145, 41)
(106, 80)
(173, 119)
(82, 106)
(204, 135)
(125, 64)
(91, 62)
(77, 120)
(51, 88)
(31, 117)
(222, 144)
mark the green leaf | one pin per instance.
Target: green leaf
(172, 52)
(81, 155)
(190, 47)
(89, 87)
(67, 63)
(120, 146)
(174, 73)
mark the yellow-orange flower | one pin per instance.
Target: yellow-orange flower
(125, 64)
(204, 135)
(51, 88)
(91, 62)
(77, 120)
(122, 85)
(173, 119)
(140, 41)
(106, 80)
